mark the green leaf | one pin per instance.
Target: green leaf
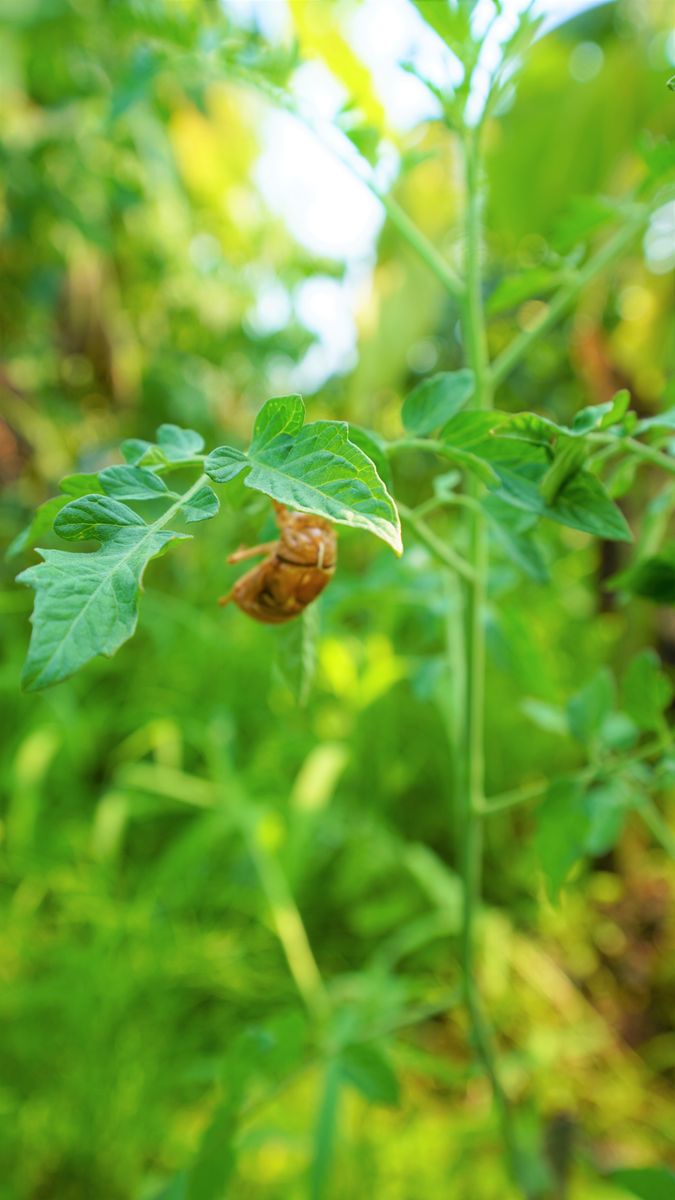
(531, 427)
(87, 603)
(211, 1172)
(601, 416)
(658, 155)
(453, 25)
(562, 827)
(619, 732)
(543, 431)
(647, 1183)
(664, 420)
(510, 528)
(225, 463)
(179, 444)
(311, 468)
(582, 503)
(279, 416)
(607, 804)
(203, 505)
(647, 691)
(512, 290)
(296, 659)
(574, 823)
(621, 478)
(43, 519)
(435, 401)
(591, 706)
(94, 517)
(131, 483)
(471, 462)
(81, 484)
(136, 452)
(585, 215)
(545, 716)
(472, 431)
(653, 578)
(366, 1067)
(375, 447)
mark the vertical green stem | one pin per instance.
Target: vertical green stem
(473, 787)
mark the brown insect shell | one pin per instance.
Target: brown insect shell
(306, 539)
(296, 571)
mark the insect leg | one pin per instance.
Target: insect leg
(251, 552)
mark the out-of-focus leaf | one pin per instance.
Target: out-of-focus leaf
(664, 420)
(436, 400)
(471, 430)
(453, 25)
(653, 578)
(607, 804)
(582, 503)
(366, 1067)
(178, 444)
(319, 34)
(543, 431)
(296, 659)
(659, 157)
(619, 732)
(647, 1183)
(80, 484)
(511, 529)
(575, 822)
(562, 827)
(209, 1176)
(512, 290)
(42, 521)
(134, 450)
(545, 716)
(585, 215)
(601, 416)
(647, 691)
(590, 707)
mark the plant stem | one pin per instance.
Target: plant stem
(563, 300)
(326, 1128)
(656, 825)
(472, 799)
(443, 552)
(648, 453)
(176, 507)
(538, 789)
(361, 170)
(417, 240)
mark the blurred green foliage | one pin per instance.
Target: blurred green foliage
(166, 812)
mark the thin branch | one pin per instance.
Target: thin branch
(647, 453)
(563, 300)
(538, 789)
(443, 552)
(361, 170)
(660, 830)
